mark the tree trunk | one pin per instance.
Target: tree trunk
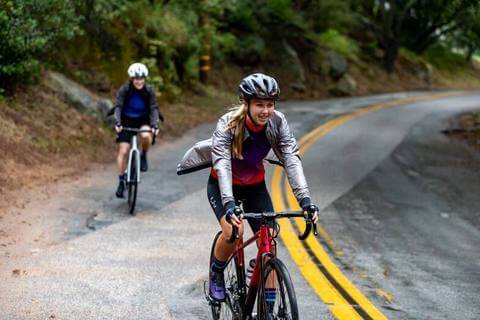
(390, 54)
(89, 9)
(470, 52)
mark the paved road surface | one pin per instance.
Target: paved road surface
(397, 197)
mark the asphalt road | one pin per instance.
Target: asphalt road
(401, 200)
(398, 198)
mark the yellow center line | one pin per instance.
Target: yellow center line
(322, 286)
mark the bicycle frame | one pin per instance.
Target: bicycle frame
(134, 149)
(264, 250)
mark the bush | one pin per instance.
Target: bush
(28, 29)
(225, 44)
(411, 56)
(443, 57)
(330, 14)
(337, 42)
(251, 50)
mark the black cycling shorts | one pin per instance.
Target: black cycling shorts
(126, 136)
(254, 198)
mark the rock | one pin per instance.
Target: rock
(298, 86)
(79, 97)
(104, 106)
(294, 64)
(337, 65)
(346, 86)
(424, 71)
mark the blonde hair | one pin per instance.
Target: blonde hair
(237, 124)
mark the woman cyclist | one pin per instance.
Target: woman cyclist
(240, 143)
(135, 107)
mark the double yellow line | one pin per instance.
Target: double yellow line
(344, 300)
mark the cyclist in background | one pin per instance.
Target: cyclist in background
(240, 143)
(135, 107)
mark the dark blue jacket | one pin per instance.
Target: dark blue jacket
(148, 96)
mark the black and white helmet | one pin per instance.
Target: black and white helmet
(137, 70)
(259, 86)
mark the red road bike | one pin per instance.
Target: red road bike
(243, 296)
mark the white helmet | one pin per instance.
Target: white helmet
(138, 70)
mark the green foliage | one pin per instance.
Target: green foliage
(98, 17)
(242, 18)
(165, 87)
(154, 76)
(339, 43)
(413, 24)
(281, 14)
(226, 43)
(467, 36)
(329, 14)
(427, 22)
(170, 36)
(411, 56)
(443, 57)
(29, 29)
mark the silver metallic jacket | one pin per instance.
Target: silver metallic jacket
(216, 152)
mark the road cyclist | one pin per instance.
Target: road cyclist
(240, 143)
(135, 107)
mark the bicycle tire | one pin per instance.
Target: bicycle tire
(230, 309)
(132, 185)
(285, 305)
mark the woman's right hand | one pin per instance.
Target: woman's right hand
(118, 129)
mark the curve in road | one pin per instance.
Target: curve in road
(344, 299)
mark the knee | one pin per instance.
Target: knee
(145, 136)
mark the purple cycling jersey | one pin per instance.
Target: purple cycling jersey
(250, 170)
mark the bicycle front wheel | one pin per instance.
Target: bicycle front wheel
(281, 302)
(230, 309)
(132, 185)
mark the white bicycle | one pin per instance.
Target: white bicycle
(133, 168)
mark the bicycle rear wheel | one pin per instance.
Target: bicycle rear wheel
(132, 185)
(276, 275)
(230, 309)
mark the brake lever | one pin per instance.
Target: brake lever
(154, 137)
(315, 232)
(234, 236)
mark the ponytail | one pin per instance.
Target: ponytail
(237, 124)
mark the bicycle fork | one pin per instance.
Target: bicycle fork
(133, 149)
